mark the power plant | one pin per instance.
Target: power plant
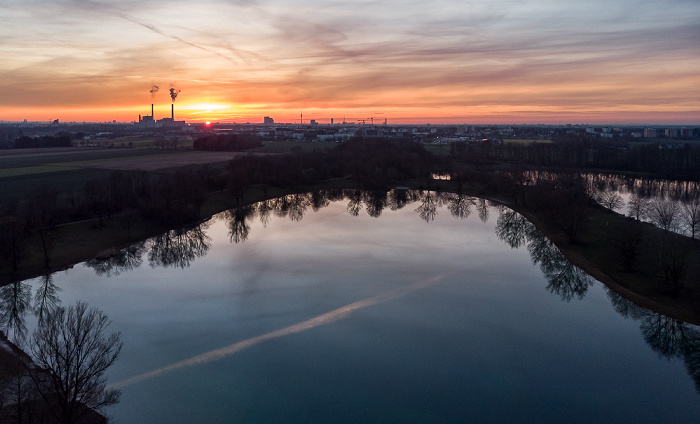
(150, 121)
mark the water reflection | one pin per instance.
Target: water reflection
(669, 337)
(46, 298)
(126, 259)
(178, 248)
(238, 227)
(563, 278)
(15, 302)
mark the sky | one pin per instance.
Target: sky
(438, 61)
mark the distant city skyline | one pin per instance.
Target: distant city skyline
(440, 62)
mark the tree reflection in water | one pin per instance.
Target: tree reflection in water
(564, 279)
(460, 205)
(669, 337)
(375, 202)
(429, 205)
(354, 202)
(15, 302)
(125, 260)
(46, 297)
(178, 248)
(238, 228)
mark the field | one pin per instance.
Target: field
(24, 170)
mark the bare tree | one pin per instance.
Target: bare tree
(690, 215)
(664, 213)
(72, 353)
(610, 200)
(638, 207)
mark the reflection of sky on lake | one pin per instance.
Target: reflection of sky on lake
(486, 343)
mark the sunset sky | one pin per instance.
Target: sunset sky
(438, 61)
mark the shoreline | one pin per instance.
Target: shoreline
(104, 242)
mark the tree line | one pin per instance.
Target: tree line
(58, 140)
(581, 152)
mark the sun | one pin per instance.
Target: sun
(208, 123)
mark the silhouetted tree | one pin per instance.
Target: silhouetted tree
(664, 213)
(610, 200)
(672, 254)
(569, 211)
(72, 353)
(638, 207)
(628, 239)
(690, 216)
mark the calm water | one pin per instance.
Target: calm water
(442, 309)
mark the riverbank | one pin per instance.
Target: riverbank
(594, 254)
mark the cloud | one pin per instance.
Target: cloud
(333, 53)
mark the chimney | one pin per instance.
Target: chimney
(172, 111)
(152, 111)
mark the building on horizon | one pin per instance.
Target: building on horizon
(268, 121)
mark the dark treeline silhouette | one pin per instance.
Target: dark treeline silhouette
(581, 152)
(372, 163)
(59, 140)
(227, 142)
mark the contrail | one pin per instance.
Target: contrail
(326, 318)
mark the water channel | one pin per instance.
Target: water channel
(355, 307)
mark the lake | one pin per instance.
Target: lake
(356, 307)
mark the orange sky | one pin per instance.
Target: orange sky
(446, 61)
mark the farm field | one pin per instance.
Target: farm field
(22, 171)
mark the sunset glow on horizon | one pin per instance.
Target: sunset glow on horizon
(543, 61)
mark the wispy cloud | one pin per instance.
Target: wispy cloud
(345, 54)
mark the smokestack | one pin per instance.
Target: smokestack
(152, 116)
(172, 111)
